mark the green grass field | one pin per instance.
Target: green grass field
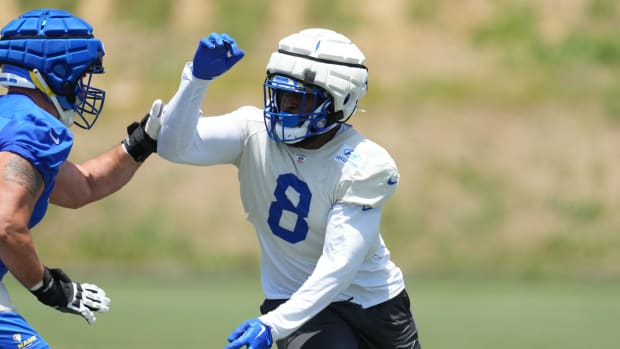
(456, 314)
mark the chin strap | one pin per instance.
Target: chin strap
(66, 116)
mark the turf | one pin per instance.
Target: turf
(184, 312)
(506, 314)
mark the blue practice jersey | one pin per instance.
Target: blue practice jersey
(37, 136)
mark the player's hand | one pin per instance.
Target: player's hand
(59, 292)
(215, 55)
(141, 138)
(252, 333)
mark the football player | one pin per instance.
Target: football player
(312, 186)
(48, 58)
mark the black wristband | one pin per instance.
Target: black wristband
(138, 143)
(53, 291)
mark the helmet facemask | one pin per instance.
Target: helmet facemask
(81, 100)
(295, 111)
(86, 102)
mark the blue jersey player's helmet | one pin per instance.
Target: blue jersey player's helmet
(55, 52)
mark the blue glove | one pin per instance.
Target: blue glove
(253, 333)
(215, 55)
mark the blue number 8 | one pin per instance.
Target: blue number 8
(283, 203)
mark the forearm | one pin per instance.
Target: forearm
(315, 295)
(178, 130)
(351, 236)
(78, 185)
(21, 186)
(109, 172)
(20, 256)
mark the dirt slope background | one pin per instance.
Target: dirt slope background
(502, 115)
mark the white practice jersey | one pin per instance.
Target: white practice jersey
(316, 211)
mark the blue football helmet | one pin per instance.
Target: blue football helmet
(55, 52)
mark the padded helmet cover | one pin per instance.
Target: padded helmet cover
(326, 59)
(61, 46)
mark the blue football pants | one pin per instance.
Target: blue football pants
(15, 332)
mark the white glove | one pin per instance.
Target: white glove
(153, 123)
(58, 291)
(87, 298)
(141, 139)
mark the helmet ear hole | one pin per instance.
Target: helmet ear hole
(60, 69)
(68, 90)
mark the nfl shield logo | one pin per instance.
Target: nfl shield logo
(300, 158)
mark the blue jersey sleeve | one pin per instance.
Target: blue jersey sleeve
(39, 138)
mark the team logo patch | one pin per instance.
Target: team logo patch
(392, 180)
(349, 155)
(300, 158)
(24, 344)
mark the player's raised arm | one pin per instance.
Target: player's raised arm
(180, 140)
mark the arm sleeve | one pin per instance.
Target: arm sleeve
(352, 234)
(186, 137)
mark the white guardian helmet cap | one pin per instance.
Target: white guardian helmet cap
(327, 69)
